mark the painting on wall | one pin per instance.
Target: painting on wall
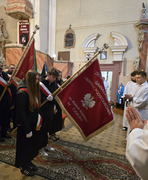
(69, 38)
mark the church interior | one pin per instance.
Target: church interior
(70, 33)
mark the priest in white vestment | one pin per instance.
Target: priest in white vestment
(128, 93)
(140, 95)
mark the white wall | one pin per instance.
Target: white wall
(11, 25)
(45, 17)
(3, 2)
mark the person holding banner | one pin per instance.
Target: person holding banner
(4, 103)
(28, 142)
(59, 79)
(51, 112)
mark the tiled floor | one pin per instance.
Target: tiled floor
(112, 139)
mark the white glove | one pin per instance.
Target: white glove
(29, 135)
(50, 97)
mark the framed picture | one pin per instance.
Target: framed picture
(69, 38)
(103, 55)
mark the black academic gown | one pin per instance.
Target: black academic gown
(4, 108)
(26, 148)
(52, 122)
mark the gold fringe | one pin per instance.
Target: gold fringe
(78, 127)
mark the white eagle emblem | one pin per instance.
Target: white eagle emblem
(88, 101)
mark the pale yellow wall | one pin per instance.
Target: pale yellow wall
(97, 16)
(11, 25)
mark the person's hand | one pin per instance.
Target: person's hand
(29, 135)
(128, 96)
(50, 98)
(134, 119)
(8, 83)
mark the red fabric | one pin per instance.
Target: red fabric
(85, 100)
(27, 63)
(63, 116)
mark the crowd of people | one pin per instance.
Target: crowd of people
(32, 109)
(35, 123)
(136, 95)
(135, 122)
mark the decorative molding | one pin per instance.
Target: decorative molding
(89, 45)
(90, 40)
(3, 31)
(136, 63)
(19, 9)
(144, 13)
(120, 45)
(119, 39)
(14, 45)
(140, 40)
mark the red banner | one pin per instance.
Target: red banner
(85, 102)
(27, 63)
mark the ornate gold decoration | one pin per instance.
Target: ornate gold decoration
(3, 32)
(69, 39)
(141, 39)
(136, 63)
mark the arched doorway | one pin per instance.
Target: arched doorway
(113, 71)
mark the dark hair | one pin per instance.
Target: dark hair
(142, 73)
(33, 89)
(53, 71)
(59, 72)
(134, 73)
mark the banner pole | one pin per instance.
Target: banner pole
(25, 50)
(105, 46)
(21, 59)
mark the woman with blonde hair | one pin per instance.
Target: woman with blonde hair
(27, 115)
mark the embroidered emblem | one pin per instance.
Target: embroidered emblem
(88, 101)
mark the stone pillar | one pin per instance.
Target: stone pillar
(143, 39)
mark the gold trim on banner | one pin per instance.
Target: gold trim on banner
(78, 127)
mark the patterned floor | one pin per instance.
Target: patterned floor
(113, 140)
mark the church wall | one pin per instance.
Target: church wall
(45, 17)
(43, 32)
(11, 24)
(103, 17)
(2, 2)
